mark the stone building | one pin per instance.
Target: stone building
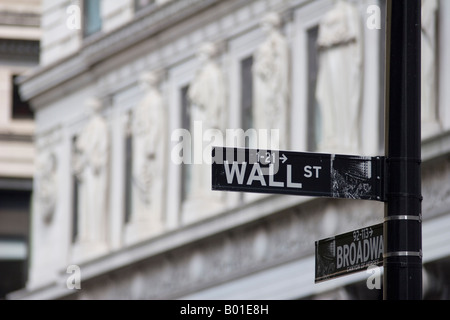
(124, 99)
(19, 52)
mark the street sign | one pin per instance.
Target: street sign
(297, 173)
(349, 252)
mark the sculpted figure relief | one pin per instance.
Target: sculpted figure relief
(46, 193)
(91, 170)
(207, 91)
(340, 78)
(271, 80)
(147, 126)
(207, 95)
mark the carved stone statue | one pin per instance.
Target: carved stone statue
(340, 78)
(46, 193)
(208, 100)
(271, 81)
(91, 170)
(429, 83)
(207, 91)
(148, 122)
(207, 95)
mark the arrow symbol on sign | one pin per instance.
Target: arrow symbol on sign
(284, 158)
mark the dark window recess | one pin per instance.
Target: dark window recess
(92, 19)
(13, 276)
(20, 109)
(13, 49)
(75, 196)
(186, 124)
(313, 109)
(246, 100)
(247, 93)
(128, 172)
(15, 200)
(14, 229)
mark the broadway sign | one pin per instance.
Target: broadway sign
(349, 252)
(297, 173)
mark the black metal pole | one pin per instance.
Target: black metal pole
(402, 278)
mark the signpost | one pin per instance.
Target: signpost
(403, 211)
(349, 252)
(297, 173)
(394, 179)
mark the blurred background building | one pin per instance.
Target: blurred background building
(116, 83)
(19, 51)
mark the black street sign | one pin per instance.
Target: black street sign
(298, 173)
(349, 252)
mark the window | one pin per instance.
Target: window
(186, 124)
(92, 20)
(13, 264)
(313, 110)
(75, 199)
(247, 96)
(247, 93)
(14, 234)
(140, 4)
(20, 109)
(128, 170)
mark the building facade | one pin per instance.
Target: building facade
(19, 52)
(127, 99)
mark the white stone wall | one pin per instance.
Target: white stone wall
(21, 6)
(16, 147)
(58, 41)
(61, 39)
(59, 95)
(444, 66)
(116, 13)
(17, 31)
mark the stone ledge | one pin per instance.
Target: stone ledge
(436, 146)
